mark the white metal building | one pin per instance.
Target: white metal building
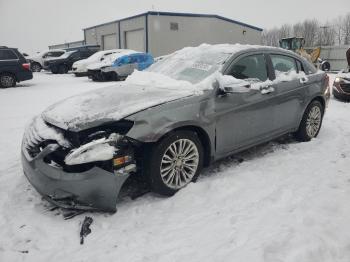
(161, 33)
(67, 45)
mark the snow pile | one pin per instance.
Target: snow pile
(194, 64)
(152, 79)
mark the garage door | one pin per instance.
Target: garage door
(109, 41)
(135, 40)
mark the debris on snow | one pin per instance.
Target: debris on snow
(85, 229)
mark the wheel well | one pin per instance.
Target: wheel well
(203, 137)
(321, 100)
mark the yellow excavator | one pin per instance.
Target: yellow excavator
(296, 44)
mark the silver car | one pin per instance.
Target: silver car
(165, 124)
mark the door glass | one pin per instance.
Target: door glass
(283, 65)
(56, 54)
(7, 55)
(75, 56)
(251, 68)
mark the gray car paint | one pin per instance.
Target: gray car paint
(231, 122)
(121, 71)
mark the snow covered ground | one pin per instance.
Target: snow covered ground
(286, 201)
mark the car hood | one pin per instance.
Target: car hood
(111, 104)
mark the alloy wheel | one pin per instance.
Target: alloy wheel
(36, 68)
(313, 121)
(7, 81)
(179, 163)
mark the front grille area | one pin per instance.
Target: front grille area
(345, 87)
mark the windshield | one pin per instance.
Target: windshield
(67, 54)
(190, 67)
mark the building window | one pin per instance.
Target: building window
(174, 26)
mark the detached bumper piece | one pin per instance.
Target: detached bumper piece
(92, 189)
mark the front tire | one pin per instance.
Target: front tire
(311, 122)
(174, 162)
(54, 70)
(7, 80)
(62, 69)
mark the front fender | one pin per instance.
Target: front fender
(152, 124)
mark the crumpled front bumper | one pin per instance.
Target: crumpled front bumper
(95, 189)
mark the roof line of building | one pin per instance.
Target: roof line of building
(179, 14)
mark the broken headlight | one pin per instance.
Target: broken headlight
(101, 149)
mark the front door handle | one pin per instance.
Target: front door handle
(267, 89)
(304, 80)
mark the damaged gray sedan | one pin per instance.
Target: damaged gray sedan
(165, 124)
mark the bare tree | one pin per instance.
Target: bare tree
(285, 31)
(271, 37)
(345, 28)
(298, 30)
(310, 28)
(326, 35)
(314, 34)
(338, 24)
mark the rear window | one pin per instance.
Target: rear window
(6, 54)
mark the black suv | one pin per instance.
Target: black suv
(63, 64)
(13, 67)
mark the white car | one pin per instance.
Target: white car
(37, 60)
(80, 67)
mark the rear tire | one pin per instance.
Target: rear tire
(174, 162)
(35, 67)
(311, 122)
(7, 80)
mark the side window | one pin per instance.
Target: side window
(57, 54)
(283, 64)
(87, 53)
(75, 55)
(250, 68)
(7, 55)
